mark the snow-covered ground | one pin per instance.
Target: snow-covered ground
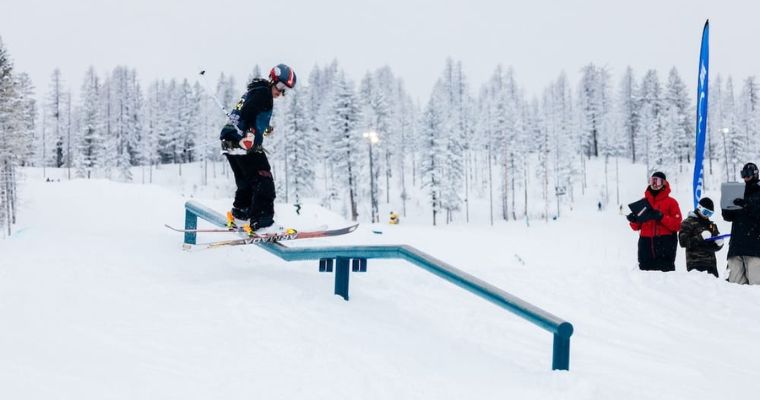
(99, 301)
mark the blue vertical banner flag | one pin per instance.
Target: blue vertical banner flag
(704, 60)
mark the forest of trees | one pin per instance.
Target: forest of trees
(493, 143)
(17, 124)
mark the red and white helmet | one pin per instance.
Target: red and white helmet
(282, 77)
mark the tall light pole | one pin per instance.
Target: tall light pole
(372, 138)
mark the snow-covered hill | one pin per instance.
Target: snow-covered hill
(99, 301)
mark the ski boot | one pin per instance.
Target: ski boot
(263, 226)
(236, 217)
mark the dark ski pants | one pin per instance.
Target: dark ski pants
(255, 186)
(658, 253)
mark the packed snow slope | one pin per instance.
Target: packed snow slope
(99, 301)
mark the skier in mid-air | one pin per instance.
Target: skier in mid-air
(242, 140)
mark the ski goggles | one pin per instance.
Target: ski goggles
(656, 181)
(705, 212)
(281, 87)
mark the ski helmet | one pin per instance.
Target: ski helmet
(283, 75)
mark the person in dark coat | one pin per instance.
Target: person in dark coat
(695, 230)
(242, 141)
(744, 246)
(658, 226)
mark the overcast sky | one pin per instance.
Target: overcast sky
(539, 38)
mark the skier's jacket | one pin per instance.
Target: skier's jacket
(700, 253)
(658, 240)
(671, 214)
(745, 230)
(251, 114)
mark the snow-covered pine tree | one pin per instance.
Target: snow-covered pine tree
(433, 148)
(454, 97)
(136, 132)
(90, 148)
(544, 147)
(187, 122)
(17, 108)
(55, 147)
(27, 117)
(168, 133)
(407, 114)
(651, 123)
(386, 104)
(156, 121)
(374, 110)
(716, 120)
(748, 107)
(319, 92)
(343, 132)
(206, 149)
(566, 142)
(503, 120)
(8, 126)
(732, 139)
(628, 105)
(679, 114)
(300, 154)
(123, 106)
(593, 107)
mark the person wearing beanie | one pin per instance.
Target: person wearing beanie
(696, 230)
(744, 247)
(657, 226)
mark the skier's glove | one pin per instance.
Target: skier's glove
(247, 142)
(706, 235)
(740, 202)
(229, 133)
(713, 229)
(631, 217)
(656, 215)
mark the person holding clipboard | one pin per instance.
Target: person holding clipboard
(657, 217)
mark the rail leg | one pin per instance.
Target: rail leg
(341, 277)
(191, 222)
(561, 354)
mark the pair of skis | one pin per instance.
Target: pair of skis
(287, 234)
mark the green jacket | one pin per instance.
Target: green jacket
(699, 252)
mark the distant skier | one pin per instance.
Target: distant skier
(695, 230)
(658, 226)
(744, 247)
(255, 194)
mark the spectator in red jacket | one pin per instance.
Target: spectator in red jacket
(658, 227)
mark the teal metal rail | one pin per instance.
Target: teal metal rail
(356, 257)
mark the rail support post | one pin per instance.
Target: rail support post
(561, 353)
(191, 222)
(341, 277)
